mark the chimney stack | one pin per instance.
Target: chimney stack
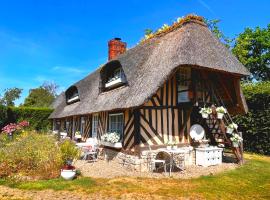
(116, 47)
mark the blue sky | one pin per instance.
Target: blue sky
(63, 41)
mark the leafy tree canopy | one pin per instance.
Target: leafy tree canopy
(9, 96)
(252, 48)
(42, 96)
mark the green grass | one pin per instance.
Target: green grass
(250, 181)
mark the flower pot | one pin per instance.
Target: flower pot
(68, 174)
(169, 147)
(235, 144)
(229, 130)
(174, 147)
(220, 115)
(205, 115)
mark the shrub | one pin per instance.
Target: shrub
(255, 125)
(37, 117)
(69, 151)
(30, 154)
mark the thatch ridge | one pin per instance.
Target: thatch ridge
(148, 65)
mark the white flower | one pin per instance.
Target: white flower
(233, 126)
(236, 138)
(221, 109)
(207, 110)
(111, 137)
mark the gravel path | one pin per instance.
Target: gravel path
(113, 169)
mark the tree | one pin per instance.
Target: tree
(213, 26)
(10, 95)
(252, 48)
(42, 96)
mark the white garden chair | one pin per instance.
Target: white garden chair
(152, 161)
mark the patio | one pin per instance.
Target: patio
(114, 168)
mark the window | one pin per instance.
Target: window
(94, 125)
(82, 125)
(72, 95)
(116, 123)
(116, 78)
(184, 76)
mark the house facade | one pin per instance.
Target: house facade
(151, 94)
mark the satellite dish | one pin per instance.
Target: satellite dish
(196, 132)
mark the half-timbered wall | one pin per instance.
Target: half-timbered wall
(162, 119)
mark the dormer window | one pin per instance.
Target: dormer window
(116, 78)
(112, 75)
(72, 95)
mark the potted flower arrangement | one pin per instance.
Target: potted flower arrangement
(174, 146)
(205, 112)
(111, 139)
(220, 112)
(169, 144)
(236, 139)
(231, 128)
(69, 153)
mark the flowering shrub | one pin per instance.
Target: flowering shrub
(30, 154)
(111, 137)
(12, 127)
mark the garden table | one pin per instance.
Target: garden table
(172, 153)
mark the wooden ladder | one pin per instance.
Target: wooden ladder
(227, 119)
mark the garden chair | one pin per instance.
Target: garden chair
(90, 152)
(152, 161)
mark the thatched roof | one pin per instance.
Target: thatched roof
(148, 65)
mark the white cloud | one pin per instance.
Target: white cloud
(65, 69)
(205, 5)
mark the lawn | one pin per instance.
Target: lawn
(250, 181)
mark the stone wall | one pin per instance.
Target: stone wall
(140, 163)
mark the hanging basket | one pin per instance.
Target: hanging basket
(205, 115)
(220, 115)
(229, 130)
(235, 144)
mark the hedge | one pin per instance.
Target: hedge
(255, 125)
(37, 117)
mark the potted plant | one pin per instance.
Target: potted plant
(68, 171)
(236, 139)
(231, 128)
(69, 152)
(205, 112)
(174, 146)
(169, 145)
(220, 112)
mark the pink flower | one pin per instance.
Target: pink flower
(10, 128)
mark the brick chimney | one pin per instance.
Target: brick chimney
(116, 47)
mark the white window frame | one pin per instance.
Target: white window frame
(122, 126)
(94, 125)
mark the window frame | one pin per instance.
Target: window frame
(109, 129)
(183, 84)
(95, 119)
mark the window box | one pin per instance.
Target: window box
(115, 82)
(117, 145)
(73, 99)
